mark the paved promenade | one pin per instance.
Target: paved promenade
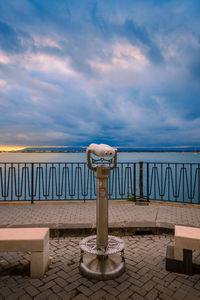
(83, 215)
(145, 276)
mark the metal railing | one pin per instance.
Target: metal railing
(173, 182)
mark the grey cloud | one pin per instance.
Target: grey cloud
(14, 41)
(9, 40)
(136, 34)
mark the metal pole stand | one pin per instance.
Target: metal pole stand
(100, 258)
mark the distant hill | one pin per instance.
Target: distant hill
(54, 149)
(160, 149)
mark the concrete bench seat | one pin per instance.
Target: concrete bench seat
(34, 240)
(179, 256)
(186, 238)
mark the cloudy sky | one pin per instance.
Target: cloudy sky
(125, 73)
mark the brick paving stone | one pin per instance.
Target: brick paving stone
(141, 264)
(122, 278)
(32, 291)
(132, 275)
(110, 297)
(80, 297)
(74, 278)
(153, 294)
(143, 271)
(111, 290)
(180, 294)
(53, 297)
(149, 285)
(98, 285)
(146, 278)
(16, 294)
(135, 282)
(138, 290)
(36, 282)
(56, 289)
(164, 290)
(191, 296)
(157, 280)
(189, 289)
(165, 297)
(52, 271)
(170, 277)
(11, 282)
(86, 282)
(197, 286)
(174, 285)
(61, 274)
(25, 297)
(194, 278)
(185, 281)
(84, 290)
(43, 295)
(5, 291)
(123, 286)
(51, 277)
(131, 268)
(125, 295)
(112, 283)
(25, 283)
(67, 295)
(98, 295)
(135, 296)
(46, 286)
(72, 286)
(60, 281)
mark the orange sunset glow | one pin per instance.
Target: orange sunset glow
(11, 148)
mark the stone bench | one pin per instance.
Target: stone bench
(34, 240)
(186, 238)
(179, 257)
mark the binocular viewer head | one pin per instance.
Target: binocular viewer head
(101, 150)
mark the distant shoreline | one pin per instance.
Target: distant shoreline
(82, 151)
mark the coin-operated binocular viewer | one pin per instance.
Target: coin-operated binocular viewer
(102, 255)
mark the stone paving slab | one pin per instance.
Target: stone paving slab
(83, 215)
(145, 276)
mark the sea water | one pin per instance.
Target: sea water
(173, 157)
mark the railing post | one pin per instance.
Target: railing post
(32, 182)
(5, 193)
(198, 183)
(134, 182)
(147, 182)
(141, 179)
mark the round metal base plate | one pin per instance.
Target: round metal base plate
(89, 245)
(106, 268)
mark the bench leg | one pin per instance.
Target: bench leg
(184, 266)
(178, 253)
(39, 262)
